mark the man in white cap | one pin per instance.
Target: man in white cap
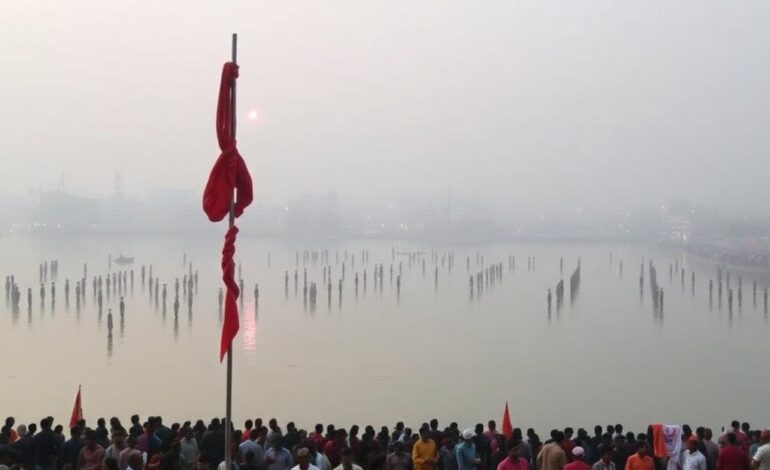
(578, 460)
(466, 452)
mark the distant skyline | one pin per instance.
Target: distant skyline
(522, 106)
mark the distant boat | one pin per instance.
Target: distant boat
(124, 260)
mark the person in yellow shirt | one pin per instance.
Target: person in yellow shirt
(424, 453)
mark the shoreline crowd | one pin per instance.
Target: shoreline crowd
(151, 445)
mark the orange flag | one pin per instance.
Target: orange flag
(507, 428)
(77, 411)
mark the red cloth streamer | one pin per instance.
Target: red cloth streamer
(229, 181)
(77, 411)
(229, 173)
(231, 324)
(507, 427)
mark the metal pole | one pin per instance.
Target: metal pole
(229, 399)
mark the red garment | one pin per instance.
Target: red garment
(333, 452)
(568, 445)
(733, 458)
(229, 173)
(231, 324)
(577, 465)
(229, 181)
(658, 441)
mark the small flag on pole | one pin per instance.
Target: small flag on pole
(507, 428)
(77, 410)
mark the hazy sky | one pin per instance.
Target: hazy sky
(533, 104)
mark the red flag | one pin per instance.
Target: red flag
(507, 428)
(77, 411)
(229, 175)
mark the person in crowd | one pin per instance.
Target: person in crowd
(606, 459)
(447, 458)
(346, 462)
(424, 452)
(92, 454)
(640, 460)
(761, 458)
(276, 456)
(732, 456)
(552, 455)
(578, 460)
(467, 458)
(398, 459)
(116, 447)
(45, 446)
(303, 459)
(513, 460)
(188, 450)
(694, 459)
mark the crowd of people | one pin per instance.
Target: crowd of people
(151, 445)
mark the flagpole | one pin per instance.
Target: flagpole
(229, 393)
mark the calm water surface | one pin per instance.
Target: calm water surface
(379, 357)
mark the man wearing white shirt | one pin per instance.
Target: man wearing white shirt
(694, 460)
(303, 460)
(347, 461)
(761, 459)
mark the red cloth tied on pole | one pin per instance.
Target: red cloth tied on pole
(231, 324)
(229, 182)
(229, 173)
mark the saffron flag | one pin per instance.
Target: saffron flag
(77, 410)
(507, 428)
(229, 183)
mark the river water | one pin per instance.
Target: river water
(430, 350)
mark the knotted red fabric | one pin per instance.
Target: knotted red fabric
(229, 181)
(229, 173)
(231, 324)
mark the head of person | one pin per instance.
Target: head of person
(340, 436)
(641, 449)
(91, 437)
(764, 437)
(273, 424)
(21, 430)
(686, 430)
(708, 434)
(319, 428)
(578, 453)
(516, 434)
(557, 436)
(568, 433)
(119, 438)
(468, 435)
(610, 428)
(303, 458)
(354, 431)
(398, 447)
(692, 444)
(492, 425)
(619, 429)
(513, 449)
(424, 434)
(275, 441)
(597, 430)
(291, 427)
(700, 431)
(135, 419)
(399, 426)
(736, 425)
(746, 428)
(434, 424)
(607, 454)
(101, 423)
(248, 424)
(347, 457)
